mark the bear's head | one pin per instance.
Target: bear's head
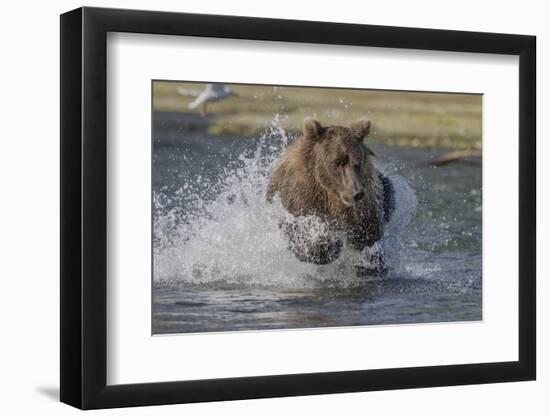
(342, 163)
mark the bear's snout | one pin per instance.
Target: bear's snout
(352, 197)
(358, 196)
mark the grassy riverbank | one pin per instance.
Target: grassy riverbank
(399, 118)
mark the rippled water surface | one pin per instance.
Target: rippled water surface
(221, 262)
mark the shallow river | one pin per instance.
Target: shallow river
(221, 262)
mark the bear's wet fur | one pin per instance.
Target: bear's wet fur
(329, 173)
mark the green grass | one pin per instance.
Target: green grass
(399, 118)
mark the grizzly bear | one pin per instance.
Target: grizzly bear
(328, 176)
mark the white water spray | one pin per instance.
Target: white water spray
(235, 238)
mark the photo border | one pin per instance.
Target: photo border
(84, 207)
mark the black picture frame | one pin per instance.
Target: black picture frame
(84, 207)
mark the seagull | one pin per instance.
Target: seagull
(212, 92)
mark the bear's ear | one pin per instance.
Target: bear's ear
(361, 128)
(312, 128)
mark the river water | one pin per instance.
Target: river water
(220, 260)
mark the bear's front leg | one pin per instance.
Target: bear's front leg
(374, 262)
(319, 248)
(363, 235)
(321, 252)
(363, 229)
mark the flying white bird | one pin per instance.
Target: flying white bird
(212, 92)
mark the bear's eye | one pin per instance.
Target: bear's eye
(340, 162)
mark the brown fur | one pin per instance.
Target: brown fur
(321, 173)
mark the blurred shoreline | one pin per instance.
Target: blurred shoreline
(411, 119)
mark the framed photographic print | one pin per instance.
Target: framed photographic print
(257, 208)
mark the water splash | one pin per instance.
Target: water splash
(228, 234)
